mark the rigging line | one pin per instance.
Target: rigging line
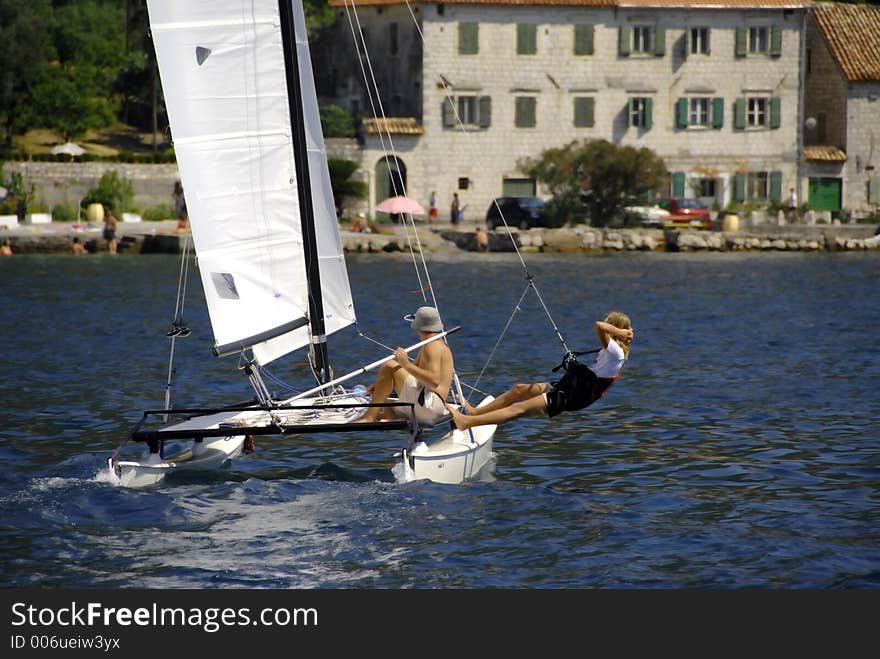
(447, 90)
(178, 313)
(491, 356)
(363, 54)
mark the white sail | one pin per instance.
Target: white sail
(224, 78)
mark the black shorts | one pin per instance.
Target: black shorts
(109, 234)
(577, 389)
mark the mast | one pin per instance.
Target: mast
(320, 363)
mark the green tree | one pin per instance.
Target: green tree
(336, 122)
(67, 101)
(342, 184)
(24, 49)
(598, 173)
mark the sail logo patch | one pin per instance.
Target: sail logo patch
(224, 284)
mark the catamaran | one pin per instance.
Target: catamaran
(241, 102)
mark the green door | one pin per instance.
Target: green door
(518, 187)
(825, 194)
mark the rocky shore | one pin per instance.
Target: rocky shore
(161, 237)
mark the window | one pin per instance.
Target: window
(756, 112)
(706, 187)
(468, 38)
(526, 39)
(583, 39)
(468, 110)
(525, 112)
(473, 111)
(758, 40)
(640, 112)
(642, 39)
(699, 112)
(756, 186)
(699, 41)
(584, 107)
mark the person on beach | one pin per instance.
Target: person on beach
(424, 382)
(77, 247)
(580, 386)
(6, 248)
(434, 207)
(109, 233)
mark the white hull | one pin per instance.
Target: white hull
(206, 455)
(458, 456)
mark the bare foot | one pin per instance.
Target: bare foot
(461, 421)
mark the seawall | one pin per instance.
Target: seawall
(162, 237)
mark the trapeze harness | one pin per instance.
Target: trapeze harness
(579, 386)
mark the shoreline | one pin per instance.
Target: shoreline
(163, 238)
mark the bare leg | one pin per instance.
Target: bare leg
(519, 392)
(386, 380)
(512, 411)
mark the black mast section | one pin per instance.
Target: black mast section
(321, 362)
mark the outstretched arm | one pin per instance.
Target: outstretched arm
(606, 331)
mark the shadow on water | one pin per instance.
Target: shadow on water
(327, 471)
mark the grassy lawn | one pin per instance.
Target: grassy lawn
(105, 142)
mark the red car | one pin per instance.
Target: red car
(686, 213)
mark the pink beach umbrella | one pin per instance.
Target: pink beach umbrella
(400, 204)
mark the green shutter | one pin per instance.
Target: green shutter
(449, 120)
(660, 41)
(742, 38)
(525, 112)
(485, 111)
(739, 187)
(583, 112)
(776, 41)
(874, 190)
(583, 39)
(678, 179)
(468, 38)
(649, 107)
(681, 113)
(526, 39)
(739, 114)
(717, 112)
(775, 112)
(624, 40)
(775, 186)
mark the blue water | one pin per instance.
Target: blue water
(739, 449)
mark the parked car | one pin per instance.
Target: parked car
(519, 212)
(646, 216)
(687, 212)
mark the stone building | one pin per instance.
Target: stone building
(842, 108)
(470, 87)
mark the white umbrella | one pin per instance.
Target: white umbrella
(69, 148)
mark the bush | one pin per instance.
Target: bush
(159, 213)
(63, 213)
(113, 191)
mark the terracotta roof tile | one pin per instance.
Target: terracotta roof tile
(826, 153)
(393, 125)
(852, 33)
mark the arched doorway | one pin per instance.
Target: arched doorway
(390, 179)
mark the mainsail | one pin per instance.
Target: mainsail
(225, 79)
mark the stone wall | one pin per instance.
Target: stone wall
(68, 183)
